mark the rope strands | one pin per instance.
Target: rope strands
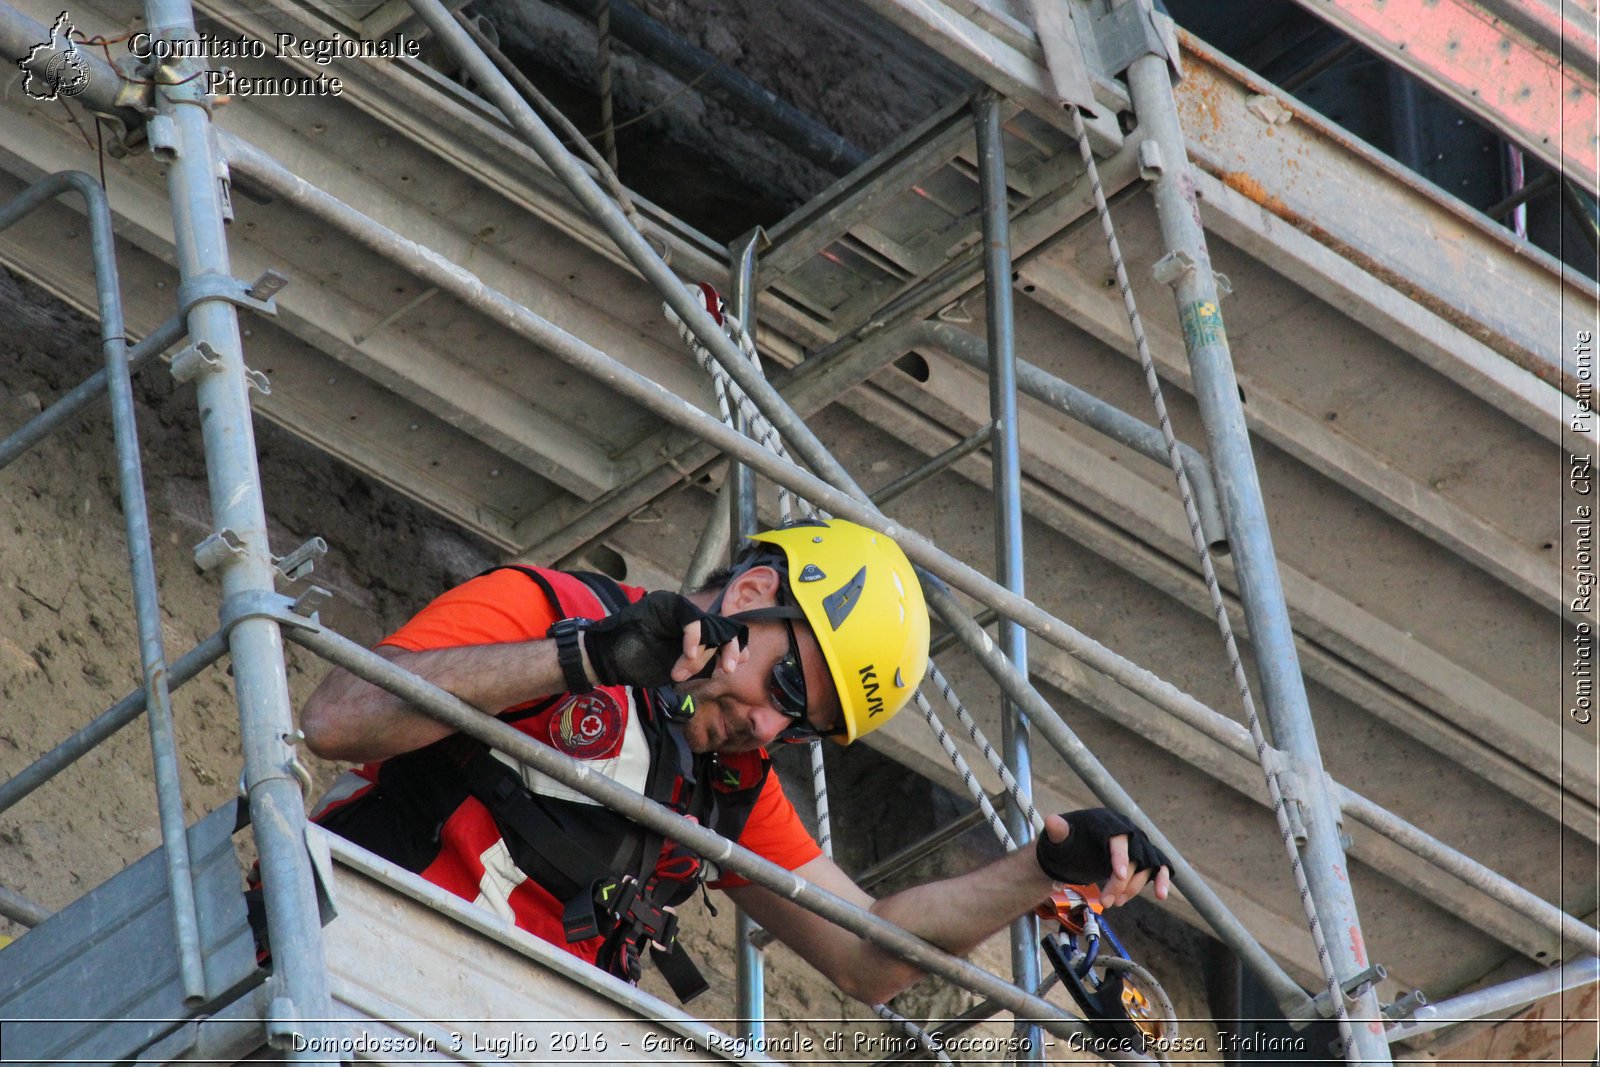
(1022, 799)
(819, 794)
(1219, 608)
(758, 427)
(608, 130)
(968, 779)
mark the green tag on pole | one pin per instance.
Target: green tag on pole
(1202, 325)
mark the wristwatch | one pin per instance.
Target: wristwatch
(569, 653)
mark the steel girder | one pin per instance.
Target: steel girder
(1525, 67)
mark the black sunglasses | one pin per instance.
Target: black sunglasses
(788, 690)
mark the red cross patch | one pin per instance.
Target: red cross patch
(587, 726)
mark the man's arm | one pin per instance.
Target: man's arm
(347, 718)
(955, 914)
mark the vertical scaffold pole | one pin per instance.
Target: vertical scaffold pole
(195, 184)
(749, 964)
(1260, 586)
(1015, 744)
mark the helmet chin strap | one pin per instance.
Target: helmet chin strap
(777, 611)
(680, 708)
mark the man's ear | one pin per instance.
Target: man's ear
(754, 588)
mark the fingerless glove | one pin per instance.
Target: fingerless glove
(639, 644)
(1084, 858)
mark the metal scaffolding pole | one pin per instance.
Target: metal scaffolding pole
(1260, 587)
(1093, 412)
(657, 399)
(70, 404)
(1505, 997)
(183, 138)
(726, 854)
(1014, 744)
(750, 962)
(102, 726)
(141, 558)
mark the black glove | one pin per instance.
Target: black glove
(639, 644)
(1084, 858)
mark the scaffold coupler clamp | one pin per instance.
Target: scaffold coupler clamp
(1406, 1006)
(1131, 31)
(299, 563)
(1322, 1007)
(299, 613)
(1291, 786)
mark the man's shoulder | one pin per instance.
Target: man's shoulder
(562, 585)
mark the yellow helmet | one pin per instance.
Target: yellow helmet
(865, 607)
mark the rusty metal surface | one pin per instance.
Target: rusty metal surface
(1420, 241)
(1516, 65)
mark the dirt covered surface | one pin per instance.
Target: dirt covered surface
(69, 645)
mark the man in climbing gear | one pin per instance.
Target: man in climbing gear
(819, 629)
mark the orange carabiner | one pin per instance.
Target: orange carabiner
(1067, 904)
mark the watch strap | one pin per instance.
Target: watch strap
(569, 653)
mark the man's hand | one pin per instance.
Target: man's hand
(1097, 846)
(660, 639)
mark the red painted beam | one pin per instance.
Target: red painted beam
(1525, 67)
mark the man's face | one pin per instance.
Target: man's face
(737, 711)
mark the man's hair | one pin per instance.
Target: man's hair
(755, 554)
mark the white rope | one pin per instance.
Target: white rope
(757, 426)
(974, 790)
(819, 794)
(1219, 609)
(1018, 795)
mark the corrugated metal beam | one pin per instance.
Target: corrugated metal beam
(1420, 241)
(1525, 67)
(1514, 728)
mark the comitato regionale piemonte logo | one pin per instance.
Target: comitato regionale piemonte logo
(55, 68)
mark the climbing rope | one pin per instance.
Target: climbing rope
(731, 397)
(968, 780)
(1218, 607)
(1018, 795)
(608, 130)
(757, 426)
